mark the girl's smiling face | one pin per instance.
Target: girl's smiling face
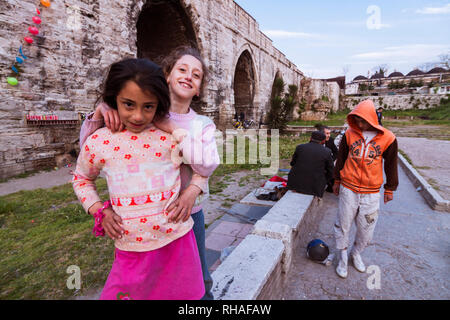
(185, 78)
(136, 107)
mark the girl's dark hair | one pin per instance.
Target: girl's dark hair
(168, 62)
(146, 74)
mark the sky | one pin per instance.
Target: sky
(326, 39)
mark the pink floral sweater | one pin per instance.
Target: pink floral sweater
(143, 176)
(200, 149)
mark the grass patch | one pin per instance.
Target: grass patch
(327, 122)
(440, 113)
(43, 232)
(405, 156)
(220, 177)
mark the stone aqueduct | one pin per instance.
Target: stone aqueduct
(243, 62)
(79, 38)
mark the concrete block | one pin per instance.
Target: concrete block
(279, 231)
(290, 209)
(247, 269)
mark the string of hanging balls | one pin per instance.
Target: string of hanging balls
(34, 31)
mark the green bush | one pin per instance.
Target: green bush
(281, 105)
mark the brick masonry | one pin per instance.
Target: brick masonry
(79, 39)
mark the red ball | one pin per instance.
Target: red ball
(37, 20)
(29, 40)
(33, 30)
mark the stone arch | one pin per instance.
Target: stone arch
(244, 85)
(163, 26)
(278, 75)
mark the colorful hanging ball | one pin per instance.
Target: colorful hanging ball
(45, 3)
(28, 40)
(19, 60)
(37, 11)
(36, 20)
(12, 81)
(33, 30)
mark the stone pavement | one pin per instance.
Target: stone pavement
(410, 247)
(433, 166)
(227, 232)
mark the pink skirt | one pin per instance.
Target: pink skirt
(172, 272)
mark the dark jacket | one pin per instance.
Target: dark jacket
(312, 168)
(330, 145)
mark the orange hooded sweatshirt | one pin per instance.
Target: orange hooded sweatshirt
(359, 166)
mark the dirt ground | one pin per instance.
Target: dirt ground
(422, 131)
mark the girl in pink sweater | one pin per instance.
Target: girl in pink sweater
(185, 72)
(154, 258)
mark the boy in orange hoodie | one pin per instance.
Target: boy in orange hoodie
(358, 178)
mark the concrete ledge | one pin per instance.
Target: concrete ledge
(250, 199)
(290, 209)
(434, 199)
(256, 267)
(279, 231)
(245, 271)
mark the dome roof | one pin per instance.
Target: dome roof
(437, 70)
(415, 72)
(396, 74)
(377, 76)
(360, 78)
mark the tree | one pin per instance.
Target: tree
(382, 69)
(281, 105)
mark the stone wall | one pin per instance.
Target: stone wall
(397, 102)
(318, 98)
(79, 39)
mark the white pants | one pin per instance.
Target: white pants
(360, 207)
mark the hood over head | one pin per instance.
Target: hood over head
(366, 110)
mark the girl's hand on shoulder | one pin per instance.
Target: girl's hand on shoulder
(110, 116)
(181, 208)
(166, 125)
(112, 223)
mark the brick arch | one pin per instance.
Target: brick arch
(163, 26)
(244, 85)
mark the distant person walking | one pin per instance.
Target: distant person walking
(358, 178)
(312, 167)
(380, 115)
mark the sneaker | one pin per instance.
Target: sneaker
(358, 263)
(341, 269)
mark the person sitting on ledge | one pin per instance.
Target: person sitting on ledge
(312, 167)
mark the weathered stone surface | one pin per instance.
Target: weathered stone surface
(280, 231)
(79, 39)
(245, 271)
(318, 98)
(397, 102)
(290, 209)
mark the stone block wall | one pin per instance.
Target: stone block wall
(319, 98)
(397, 102)
(79, 39)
